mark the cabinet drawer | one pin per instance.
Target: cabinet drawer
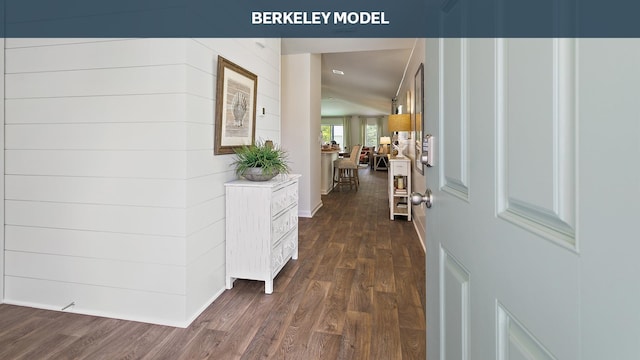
(283, 223)
(283, 198)
(277, 259)
(290, 244)
(401, 169)
(283, 250)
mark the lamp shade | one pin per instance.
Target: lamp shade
(399, 122)
(384, 141)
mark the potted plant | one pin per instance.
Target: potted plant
(261, 161)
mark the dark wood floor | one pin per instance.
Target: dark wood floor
(357, 291)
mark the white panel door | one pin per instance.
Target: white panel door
(532, 251)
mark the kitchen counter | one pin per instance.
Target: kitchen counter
(326, 170)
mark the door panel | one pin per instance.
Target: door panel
(454, 105)
(455, 307)
(532, 248)
(535, 136)
(515, 342)
(500, 125)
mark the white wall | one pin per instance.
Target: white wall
(301, 85)
(315, 114)
(114, 199)
(418, 180)
(2, 166)
(205, 201)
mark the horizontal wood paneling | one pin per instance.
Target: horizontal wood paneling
(99, 136)
(272, 108)
(97, 217)
(93, 190)
(202, 241)
(97, 272)
(200, 83)
(200, 110)
(204, 280)
(116, 81)
(97, 55)
(154, 108)
(130, 164)
(110, 161)
(199, 136)
(199, 57)
(203, 163)
(204, 214)
(153, 249)
(203, 188)
(153, 307)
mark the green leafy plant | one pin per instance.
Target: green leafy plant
(270, 158)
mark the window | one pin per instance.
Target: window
(371, 135)
(333, 132)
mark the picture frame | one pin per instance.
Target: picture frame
(418, 116)
(235, 115)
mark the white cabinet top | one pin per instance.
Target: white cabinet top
(398, 159)
(276, 181)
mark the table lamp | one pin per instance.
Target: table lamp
(385, 141)
(399, 122)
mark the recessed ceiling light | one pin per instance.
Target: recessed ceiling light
(338, 72)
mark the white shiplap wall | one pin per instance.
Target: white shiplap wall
(114, 199)
(205, 173)
(2, 166)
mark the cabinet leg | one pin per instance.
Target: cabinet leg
(229, 282)
(268, 287)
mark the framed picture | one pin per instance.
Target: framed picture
(418, 113)
(236, 93)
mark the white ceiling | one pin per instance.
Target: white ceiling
(373, 71)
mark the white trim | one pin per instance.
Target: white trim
(420, 233)
(310, 214)
(2, 121)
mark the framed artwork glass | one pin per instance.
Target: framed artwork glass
(236, 93)
(418, 113)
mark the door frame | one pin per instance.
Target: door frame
(2, 121)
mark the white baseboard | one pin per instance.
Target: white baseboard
(204, 307)
(309, 214)
(112, 315)
(180, 324)
(315, 210)
(420, 232)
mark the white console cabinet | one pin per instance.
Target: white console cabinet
(399, 187)
(261, 228)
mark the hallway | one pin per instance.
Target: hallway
(355, 292)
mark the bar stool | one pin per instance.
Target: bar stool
(346, 170)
